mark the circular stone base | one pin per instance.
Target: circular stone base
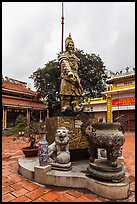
(101, 169)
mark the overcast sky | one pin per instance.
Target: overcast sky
(31, 34)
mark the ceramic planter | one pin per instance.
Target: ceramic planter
(30, 152)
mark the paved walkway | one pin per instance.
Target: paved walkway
(16, 188)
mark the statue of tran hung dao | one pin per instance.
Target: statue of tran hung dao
(70, 89)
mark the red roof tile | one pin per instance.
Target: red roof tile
(17, 87)
(22, 103)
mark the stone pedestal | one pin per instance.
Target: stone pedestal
(76, 140)
(74, 178)
(101, 169)
(61, 167)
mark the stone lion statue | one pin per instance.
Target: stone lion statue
(58, 151)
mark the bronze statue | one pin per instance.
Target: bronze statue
(70, 88)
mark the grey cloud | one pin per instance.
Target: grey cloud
(31, 33)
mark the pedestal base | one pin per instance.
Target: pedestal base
(61, 167)
(101, 169)
(76, 178)
(76, 139)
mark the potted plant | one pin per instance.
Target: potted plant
(32, 132)
(32, 149)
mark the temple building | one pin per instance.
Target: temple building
(96, 105)
(18, 99)
(117, 100)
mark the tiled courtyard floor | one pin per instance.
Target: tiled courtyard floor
(16, 188)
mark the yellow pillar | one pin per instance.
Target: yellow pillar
(4, 118)
(109, 109)
(28, 116)
(88, 100)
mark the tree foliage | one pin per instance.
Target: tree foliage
(20, 123)
(91, 72)
(47, 83)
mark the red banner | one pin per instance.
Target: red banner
(123, 101)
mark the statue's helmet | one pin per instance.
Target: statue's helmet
(68, 40)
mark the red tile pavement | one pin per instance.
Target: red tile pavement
(16, 188)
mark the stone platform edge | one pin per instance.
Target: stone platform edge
(46, 176)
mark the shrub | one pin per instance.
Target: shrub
(20, 124)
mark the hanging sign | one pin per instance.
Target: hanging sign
(123, 101)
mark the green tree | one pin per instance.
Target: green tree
(47, 84)
(92, 74)
(91, 71)
(20, 124)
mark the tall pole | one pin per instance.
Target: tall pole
(62, 27)
(62, 39)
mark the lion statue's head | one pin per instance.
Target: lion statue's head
(62, 134)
